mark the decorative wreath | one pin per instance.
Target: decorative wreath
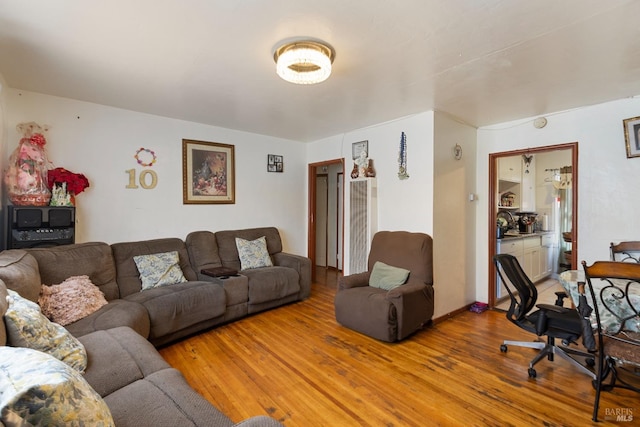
(148, 162)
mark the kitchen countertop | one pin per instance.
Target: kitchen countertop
(524, 235)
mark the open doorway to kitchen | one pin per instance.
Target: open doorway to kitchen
(535, 191)
(325, 245)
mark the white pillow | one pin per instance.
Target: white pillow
(253, 253)
(39, 390)
(159, 269)
(28, 327)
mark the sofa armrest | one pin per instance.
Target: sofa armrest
(299, 263)
(356, 280)
(414, 306)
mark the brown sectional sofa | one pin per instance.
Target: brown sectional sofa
(124, 368)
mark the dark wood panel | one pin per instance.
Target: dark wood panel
(298, 365)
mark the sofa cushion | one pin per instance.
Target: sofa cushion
(71, 300)
(118, 312)
(253, 253)
(163, 399)
(159, 269)
(228, 250)
(203, 251)
(93, 259)
(175, 307)
(28, 327)
(137, 358)
(38, 389)
(4, 304)
(126, 270)
(19, 271)
(387, 277)
(271, 283)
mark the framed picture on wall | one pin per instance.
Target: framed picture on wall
(208, 172)
(275, 163)
(632, 136)
(358, 147)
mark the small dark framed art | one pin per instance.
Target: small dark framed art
(208, 172)
(274, 163)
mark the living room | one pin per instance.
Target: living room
(101, 141)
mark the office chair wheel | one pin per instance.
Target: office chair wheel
(503, 348)
(532, 373)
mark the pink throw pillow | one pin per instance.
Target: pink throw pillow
(71, 300)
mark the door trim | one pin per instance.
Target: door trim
(311, 206)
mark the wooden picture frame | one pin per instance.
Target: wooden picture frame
(208, 172)
(632, 136)
(358, 147)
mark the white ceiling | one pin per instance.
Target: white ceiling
(210, 61)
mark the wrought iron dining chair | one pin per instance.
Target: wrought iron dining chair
(626, 251)
(615, 288)
(552, 321)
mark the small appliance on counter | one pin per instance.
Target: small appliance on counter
(526, 222)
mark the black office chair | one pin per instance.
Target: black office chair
(553, 321)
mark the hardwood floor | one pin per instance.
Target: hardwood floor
(298, 365)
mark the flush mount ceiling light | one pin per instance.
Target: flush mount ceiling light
(304, 62)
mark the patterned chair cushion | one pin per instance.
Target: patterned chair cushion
(253, 253)
(39, 390)
(159, 269)
(28, 327)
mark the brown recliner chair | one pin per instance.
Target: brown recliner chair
(395, 314)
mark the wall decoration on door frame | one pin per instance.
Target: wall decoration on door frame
(632, 136)
(275, 163)
(208, 172)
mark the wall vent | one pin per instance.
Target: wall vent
(363, 222)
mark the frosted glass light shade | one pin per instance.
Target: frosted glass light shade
(305, 62)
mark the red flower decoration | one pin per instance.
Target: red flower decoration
(38, 139)
(76, 182)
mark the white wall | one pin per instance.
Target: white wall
(101, 141)
(454, 215)
(607, 193)
(402, 204)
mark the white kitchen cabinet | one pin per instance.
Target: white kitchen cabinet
(510, 169)
(547, 255)
(512, 247)
(528, 188)
(531, 257)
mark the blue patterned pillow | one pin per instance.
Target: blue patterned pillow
(253, 253)
(28, 327)
(159, 269)
(39, 390)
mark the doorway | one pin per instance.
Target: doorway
(495, 202)
(325, 243)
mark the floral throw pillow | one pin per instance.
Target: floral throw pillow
(253, 253)
(39, 390)
(159, 269)
(28, 327)
(71, 300)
